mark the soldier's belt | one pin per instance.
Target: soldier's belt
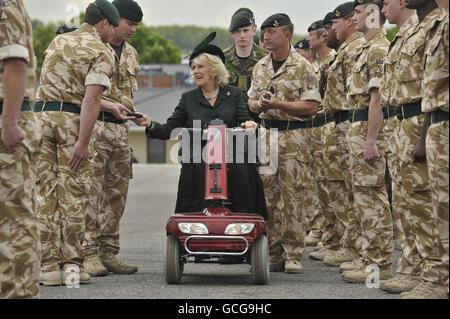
(286, 125)
(73, 108)
(409, 110)
(389, 111)
(363, 114)
(322, 119)
(26, 106)
(438, 116)
(341, 116)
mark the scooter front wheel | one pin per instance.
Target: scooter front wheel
(260, 261)
(173, 265)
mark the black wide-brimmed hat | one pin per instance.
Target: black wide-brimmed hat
(206, 47)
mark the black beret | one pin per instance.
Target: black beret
(302, 44)
(276, 20)
(109, 11)
(129, 9)
(328, 19)
(343, 10)
(65, 28)
(205, 47)
(360, 2)
(316, 26)
(241, 18)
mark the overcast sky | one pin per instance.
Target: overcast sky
(197, 12)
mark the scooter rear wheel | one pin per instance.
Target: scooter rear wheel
(173, 265)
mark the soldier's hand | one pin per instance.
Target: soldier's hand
(120, 112)
(420, 152)
(268, 104)
(80, 155)
(12, 136)
(371, 153)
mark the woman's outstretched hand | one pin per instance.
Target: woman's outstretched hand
(250, 126)
(144, 121)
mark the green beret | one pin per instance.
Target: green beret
(276, 20)
(109, 11)
(343, 10)
(302, 44)
(241, 18)
(360, 2)
(316, 26)
(328, 19)
(129, 9)
(65, 28)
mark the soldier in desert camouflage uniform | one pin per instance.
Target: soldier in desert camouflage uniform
(113, 161)
(19, 144)
(76, 70)
(367, 145)
(241, 57)
(336, 155)
(290, 109)
(435, 101)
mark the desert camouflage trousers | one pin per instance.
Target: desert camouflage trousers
(331, 229)
(421, 220)
(284, 188)
(112, 173)
(408, 263)
(371, 201)
(313, 215)
(62, 194)
(19, 241)
(438, 162)
(337, 171)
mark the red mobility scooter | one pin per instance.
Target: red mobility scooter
(216, 234)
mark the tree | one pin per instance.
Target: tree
(42, 36)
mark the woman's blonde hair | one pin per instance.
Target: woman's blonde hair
(215, 66)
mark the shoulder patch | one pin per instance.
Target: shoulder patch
(380, 61)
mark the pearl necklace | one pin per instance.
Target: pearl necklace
(210, 97)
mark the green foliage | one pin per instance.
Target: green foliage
(42, 36)
(391, 33)
(154, 48)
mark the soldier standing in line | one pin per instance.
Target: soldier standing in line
(76, 70)
(367, 145)
(397, 93)
(302, 47)
(285, 92)
(113, 161)
(435, 101)
(241, 57)
(336, 151)
(19, 144)
(320, 205)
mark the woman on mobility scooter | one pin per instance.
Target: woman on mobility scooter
(212, 99)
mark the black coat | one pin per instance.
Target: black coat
(245, 188)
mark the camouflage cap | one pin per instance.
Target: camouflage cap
(316, 26)
(343, 10)
(276, 20)
(328, 19)
(242, 18)
(109, 11)
(129, 9)
(65, 28)
(361, 2)
(302, 44)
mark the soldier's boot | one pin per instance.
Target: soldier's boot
(400, 283)
(94, 267)
(355, 264)
(115, 265)
(293, 266)
(319, 246)
(360, 275)
(426, 290)
(276, 264)
(50, 278)
(313, 238)
(341, 256)
(320, 254)
(73, 275)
